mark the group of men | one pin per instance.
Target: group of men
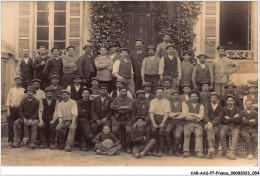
(137, 94)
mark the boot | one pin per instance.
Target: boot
(159, 152)
(33, 146)
(137, 155)
(199, 155)
(128, 150)
(231, 156)
(149, 146)
(154, 153)
(250, 157)
(17, 145)
(43, 146)
(83, 147)
(186, 155)
(211, 153)
(177, 153)
(169, 152)
(68, 148)
(52, 146)
(224, 153)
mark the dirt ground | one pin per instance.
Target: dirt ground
(46, 157)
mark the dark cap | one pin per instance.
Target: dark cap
(103, 86)
(89, 90)
(147, 84)
(201, 84)
(55, 76)
(194, 92)
(230, 84)
(71, 46)
(36, 80)
(214, 94)
(202, 55)
(94, 78)
(231, 96)
(77, 76)
(49, 89)
(124, 49)
(151, 47)
(171, 45)
(174, 91)
(141, 40)
(55, 47)
(139, 117)
(186, 84)
(140, 91)
(159, 88)
(122, 81)
(111, 45)
(221, 47)
(29, 88)
(187, 52)
(167, 78)
(87, 45)
(166, 33)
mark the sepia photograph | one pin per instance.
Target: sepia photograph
(129, 83)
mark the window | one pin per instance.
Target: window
(60, 24)
(43, 24)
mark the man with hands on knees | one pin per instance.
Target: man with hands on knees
(67, 115)
(159, 112)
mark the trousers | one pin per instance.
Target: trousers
(198, 131)
(62, 131)
(234, 131)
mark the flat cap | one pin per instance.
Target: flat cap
(49, 89)
(87, 45)
(89, 90)
(36, 80)
(29, 88)
(94, 78)
(187, 52)
(186, 84)
(71, 46)
(55, 76)
(230, 96)
(140, 91)
(174, 91)
(251, 85)
(139, 117)
(214, 94)
(200, 55)
(112, 45)
(18, 77)
(122, 81)
(77, 76)
(171, 45)
(167, 78)
(65, 91)
(103, 86)
(221, 47)
(230, 84)
(55, 47)
(159, 88)
(194, 92)
(141, 40)
(147, 84)
(151, 47)
(166, 33)
(124, 49)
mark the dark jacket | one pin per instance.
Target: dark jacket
(38, 67)
(231, 113)
(249, 116)
(86, 66)
(215, 117)
(137, 60)
(53, 67)
(122, 101)
(84, 109)
(26, 69)
(141, 108)
(238, 101)
(29, 109)
(137, 136)
(101, 109)
(49, 110)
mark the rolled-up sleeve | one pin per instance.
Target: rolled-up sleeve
(179, 68)
(201, 112)
(60, 114)
(152, 106)
(167, 106)
(161, 66)
(74, 109)
(116, 67)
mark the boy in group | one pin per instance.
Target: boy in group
(104, 67)
(161, 48)
(76, 88)
(204, 94)
(39, 94)
(28, 113)
(147, 88)
(175, 124)
(170, 65)
(230, 124)
(150, 68)
(159, 112)
(186, 91)
(194, 113)
(94, 88)
(186, 69)
(48, 119)
(106, 143)
(100, 111)
(213, 118)
(14, 98)
(67, 116)
(249, 132)
(253, 95)
(120, 83)
(84, 117)
(55, 79)
(122, 107)
(142, 143)
(123, 69)
(167, 85)
(202, 73)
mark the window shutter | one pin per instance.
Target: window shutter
(74, 35)
(24, 27)
(210, 27)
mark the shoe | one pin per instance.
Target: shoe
(159, 153)
(43, 146)
(250, 157)
(141, 154)
(128, 151)
(186, 155)
(224, 153)
(169, 152)
(211, 153)
(17, 145)
(33, 146)
(99, 152)
(83, 148)
(10, 143)
(216, 152)
(231, 156)
(199, 155)
(52, 146)
(177, 154)
(154, 153)
(137, 155)
(68, 148)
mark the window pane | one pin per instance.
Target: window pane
(42, 18)
(60, 44)
(59, 33)
(60, 18)
(42, 6)
(42, 33)
(46, 44)
(60, 5)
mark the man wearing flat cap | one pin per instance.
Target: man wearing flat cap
(55, 80)
(112, 52)
(150, 68)
(39, 94)
(76, 88)
(48, 109)
(69, 62)
(252, 95)
(136, 58)
(14, 98)
(161, 48)
(24, 68)
(54, 65)
(222, 67)
(28, 113)
(39, 64)
(67, 116)
(86, 65)
(123, 69)
(120, 83)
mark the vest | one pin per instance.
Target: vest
(125, 68)
(175, 109)
(255, 100)
(170, 67)
(114, 94)
(203, 75)
(48, 109)
(74, 94)
(26, 69)
(195, 110)
(151, 66)
(137, 60)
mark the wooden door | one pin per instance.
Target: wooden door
(141, 23)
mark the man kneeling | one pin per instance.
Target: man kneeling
(141, 141)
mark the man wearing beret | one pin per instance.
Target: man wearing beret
(24, 68)
(161, 48)
(170, 65)
(230, 124)
(123, 69)
(69, 62)
(150, 68)
(38, 66)
(55, 79)
(136, 58)
(39, 94)
(48, 119)
(86, 65)
(28, 113)
(213, 118)
(54, 65)
(67, 116)
(222, 67)
(14, 98)
(100, 111)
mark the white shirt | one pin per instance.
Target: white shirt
(102, 98)
(214, 106)
(26, 60)
(39, 95)
(117, 65)
(112, 56)
(146, 95)
(203, 66)
(187, 98)
(160, 107)
(76, 87)
(14, 97)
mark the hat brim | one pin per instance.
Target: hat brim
(29, 90)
